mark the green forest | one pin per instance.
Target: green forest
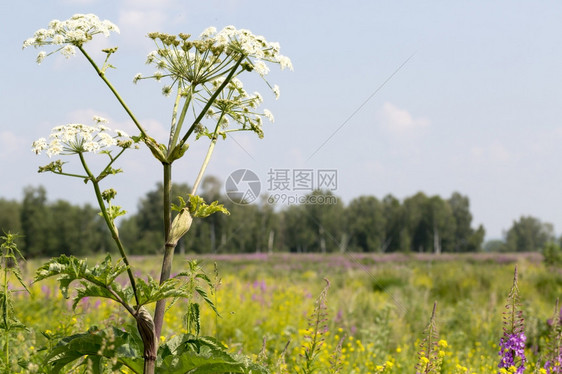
(418, 223)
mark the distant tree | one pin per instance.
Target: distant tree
(94, 235)
(440, 222)
(366, 223)
(430, 224)
(298, 234)
(144, 233)
(476, 239)
(528, 234)
(395, 231)
(466, 239)
(65, 238)
(552, 254)
(269, 226)
(242, 230)
(10, 211)
(418, 232)
(36, 222)
(324, 214)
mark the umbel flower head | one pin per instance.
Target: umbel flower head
(234, 103)
(68, 34)
(202, 60)
(208, 67)
(78, 138)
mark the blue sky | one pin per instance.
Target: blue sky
(476, 109)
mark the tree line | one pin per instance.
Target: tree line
(419, 223)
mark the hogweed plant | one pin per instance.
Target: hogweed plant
(512, 343)
(210, 101)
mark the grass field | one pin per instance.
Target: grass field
(377, 308)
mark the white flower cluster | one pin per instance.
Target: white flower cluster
(236, 104)
(245, 42)
(79, 138)
(213, 55)
(68, 34)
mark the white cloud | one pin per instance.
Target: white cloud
(141, 20)
(10, 144)
(495, 152)
(156, 130)
(399, 121)
(138, 18)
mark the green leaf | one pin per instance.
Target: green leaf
(203, 355)
(91, 290)
(182, 205)
(111, 348)
(205, 297)
(193, 319)
(114, 211)
(10, 253)
(199, 208)
(95, 281)
(151, 291)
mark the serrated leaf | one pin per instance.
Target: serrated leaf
(205, 297)
(199, 208)
(182, 205)
(100, 278)
(93, 345)
(152, 291)
(193, 319)
(203, 355)
(115, 211)
(91, 290)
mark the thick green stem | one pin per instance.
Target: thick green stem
(110, 225)
(168, 248)
(149, 366)
(101, 73)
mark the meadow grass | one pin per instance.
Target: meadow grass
(377, 309)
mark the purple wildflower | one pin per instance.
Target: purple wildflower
(512, 344)
(512, 352)
(554, 368)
